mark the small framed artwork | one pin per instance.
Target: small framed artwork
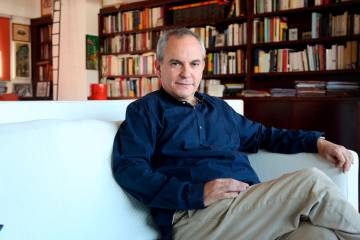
(46, 7)
(22, 60)
(21, 32)
(43, 89)
(293, 34)
(92, 52)
(23, 89)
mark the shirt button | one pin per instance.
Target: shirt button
(200, 127)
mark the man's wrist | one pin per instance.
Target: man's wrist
(319, 141)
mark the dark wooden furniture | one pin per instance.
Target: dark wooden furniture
(41, 57)
(338, 117)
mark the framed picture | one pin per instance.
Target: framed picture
(43, 89)
(92, 52)
(21, 32)
(23, 89)
(22, 60)
(46, 7)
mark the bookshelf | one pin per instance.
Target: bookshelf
(128, 37)
(243, 39)
(41, 48)
(327, 37)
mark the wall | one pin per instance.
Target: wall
(92, 28)
(117, 2)
(20, 8)
(72, 84)
(74, 79)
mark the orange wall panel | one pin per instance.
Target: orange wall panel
(5, 48)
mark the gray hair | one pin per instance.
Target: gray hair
(178, 33)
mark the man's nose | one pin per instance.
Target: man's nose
(186, 70)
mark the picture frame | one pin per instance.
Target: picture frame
(21, 32)
(46, 7)
(23, 89)
(43, 89)
(92, 52)
(22, 60)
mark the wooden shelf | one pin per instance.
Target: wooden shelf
(121, 98)
(207, 76)
(321, 8)
(301, 43)
(129, 52)
(307, 73)
(40, 48)
(132, 76)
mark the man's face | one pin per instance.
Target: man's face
(182, 67)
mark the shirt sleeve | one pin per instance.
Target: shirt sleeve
(255, 136)
(134, 146)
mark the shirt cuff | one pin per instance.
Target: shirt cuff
(317, 135)
(196, 196)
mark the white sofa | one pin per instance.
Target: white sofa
(56, 181)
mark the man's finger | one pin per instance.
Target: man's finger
(232, 185)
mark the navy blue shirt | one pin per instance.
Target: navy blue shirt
(166, 150)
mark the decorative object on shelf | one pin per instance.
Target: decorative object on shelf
(46, 7)
(98, 91)
(43, 89)
(23, 89)
(92, 52)
(22, 60)
(293, 34)
(21, 32)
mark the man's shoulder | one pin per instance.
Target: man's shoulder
(213, 100)
(147, 103)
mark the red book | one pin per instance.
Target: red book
(285, 60)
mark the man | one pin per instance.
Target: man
(181, 153)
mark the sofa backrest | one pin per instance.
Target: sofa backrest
(110, 110)
(55, 174)
(56, 183)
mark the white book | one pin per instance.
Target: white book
(340, 57)
(305, 60)
(310, 52)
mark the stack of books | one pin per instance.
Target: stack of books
(343, 88)
(214, 88)
(310, 88)
(3, 87)
(233, 89)
(283, 92)
(255, 93)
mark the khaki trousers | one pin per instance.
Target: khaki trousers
(303, 202)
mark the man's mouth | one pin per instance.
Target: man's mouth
(184, 84)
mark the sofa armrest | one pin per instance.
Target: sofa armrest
(271, 165)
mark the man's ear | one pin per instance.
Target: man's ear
(157, 67)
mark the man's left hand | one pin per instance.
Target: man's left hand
(337, 154)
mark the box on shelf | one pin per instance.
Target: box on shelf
(198, 11)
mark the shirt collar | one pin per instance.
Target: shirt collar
(199, 96)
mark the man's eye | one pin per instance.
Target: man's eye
(196, 64)
(175, 64)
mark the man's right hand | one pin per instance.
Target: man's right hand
(222, 188)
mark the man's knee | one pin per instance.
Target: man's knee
(313, 173)
(310, 232)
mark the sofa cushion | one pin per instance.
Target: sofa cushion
(56, 183)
